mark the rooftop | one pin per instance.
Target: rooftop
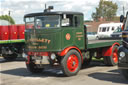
(52, 13)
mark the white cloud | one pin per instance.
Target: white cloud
(19, 8)
(120, 7)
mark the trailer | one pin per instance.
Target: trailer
(123, 49)
(11, 41)
(60, 39)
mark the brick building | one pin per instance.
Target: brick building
(93, 26)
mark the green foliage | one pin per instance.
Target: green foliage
(106, 10)
(7, 18)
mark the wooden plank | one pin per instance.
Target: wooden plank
(101, 43)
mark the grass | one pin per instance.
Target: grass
(94, 59)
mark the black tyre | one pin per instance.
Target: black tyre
(125, 73)
(97, 37)
(10, 57)
(113, 59)
(33, 68)
(87, 59)
(71, 63)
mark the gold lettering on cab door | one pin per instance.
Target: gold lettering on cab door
(79, 35)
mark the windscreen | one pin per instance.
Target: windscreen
(29, 21)
(118, 29)
(51, 21)
(126, 24)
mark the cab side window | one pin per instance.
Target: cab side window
(77, 21)
(70, 17)
(70, 21)
(67, 21)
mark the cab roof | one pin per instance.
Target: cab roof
(52, 13)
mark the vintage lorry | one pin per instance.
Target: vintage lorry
(11, 41)
(123, 49)
(60, 39)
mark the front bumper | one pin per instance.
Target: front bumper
(123, 59)
(42, 58)
(37, 57)
(123, 65)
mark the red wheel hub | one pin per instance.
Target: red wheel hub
(115, 56)
(72, 63)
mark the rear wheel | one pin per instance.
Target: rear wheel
(125, 73)
(113, 59)
(10, 57)
(71, 63)
(33, 68)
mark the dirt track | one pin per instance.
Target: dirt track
(15, 73)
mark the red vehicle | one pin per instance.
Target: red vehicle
(11, 41)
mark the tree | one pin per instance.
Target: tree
(106, 10)
(7, 18)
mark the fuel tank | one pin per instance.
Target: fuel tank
(4, 33)
(13, 32)
(21, 30)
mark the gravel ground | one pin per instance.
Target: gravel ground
(15, 73)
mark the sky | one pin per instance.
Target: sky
(18, 8)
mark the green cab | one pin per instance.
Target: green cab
(54, 31)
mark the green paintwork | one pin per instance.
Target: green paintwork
(73, 32)
(74, 39)
(12, 41)
(56, 36)
(57, 39)
(50, 40)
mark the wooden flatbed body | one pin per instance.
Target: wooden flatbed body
(101, 43)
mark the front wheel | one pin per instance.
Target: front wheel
(71, 63)
(125, 73)
(33, 68)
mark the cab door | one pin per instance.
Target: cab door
(79, 34)
(67, 31)
(73, 35)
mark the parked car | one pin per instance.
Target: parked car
(117, 33)
(91, 35)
